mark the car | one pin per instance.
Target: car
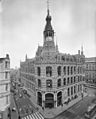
(25, 91)
(14, 109)
(20, 95)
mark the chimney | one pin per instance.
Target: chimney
(79, 52)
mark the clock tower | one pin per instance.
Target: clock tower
(48, 34)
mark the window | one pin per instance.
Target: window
(71, 80)
(7, 99)
(6, 64)
(39, 83)
(74, 89)
(59, 70)
(68, 80)
(59, 98)
(64, 81)
(59, 83)
(48, 71)
(68, 91)
(64, 70)
(6, 75)
(49, 83)
(74, 79)
(74, 70)
(6, 87)
(78, 88)
(38, 71)
(71, 70)
(71, 90)
(68, 70)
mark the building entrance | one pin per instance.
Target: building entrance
(49, 100)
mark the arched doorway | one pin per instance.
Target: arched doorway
(49, 100)
(59, 98)
(39, 98)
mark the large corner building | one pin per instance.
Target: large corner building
(52, 78)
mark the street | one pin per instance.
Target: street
(24, 108)
(77, 111)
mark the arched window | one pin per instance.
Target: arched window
(71, 70)
(64, 81)
(38, 71)
(68, 70)
(75, 70)
(74, 89)
(59, 98)
(39, 98)
(49, 83)
(59, 83)
(59, 70)
(68, 80)
(48, 71)
(49, 100)
(39, 83)
(64, 70)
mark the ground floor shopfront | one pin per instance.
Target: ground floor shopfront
(57, 98)
(54, 104)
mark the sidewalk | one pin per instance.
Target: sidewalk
(14, 114)
(51, 113)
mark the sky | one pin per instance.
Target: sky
(22, 24)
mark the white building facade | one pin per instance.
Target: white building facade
(53, 78)
(4, 86)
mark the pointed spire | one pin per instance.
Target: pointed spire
(48, 31)
(26, 57)
(82, 50)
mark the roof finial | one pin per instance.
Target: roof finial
(48, 6)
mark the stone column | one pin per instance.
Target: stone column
(55, 99)
(43, 99)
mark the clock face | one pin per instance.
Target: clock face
(49, 38)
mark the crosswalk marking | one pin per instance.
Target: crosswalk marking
(30, 116)
(36, 115)
(40, 115)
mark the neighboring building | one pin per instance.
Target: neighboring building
(4, 87)
(90, 71)
(53, 78)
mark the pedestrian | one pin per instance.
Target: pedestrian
(19, 117)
